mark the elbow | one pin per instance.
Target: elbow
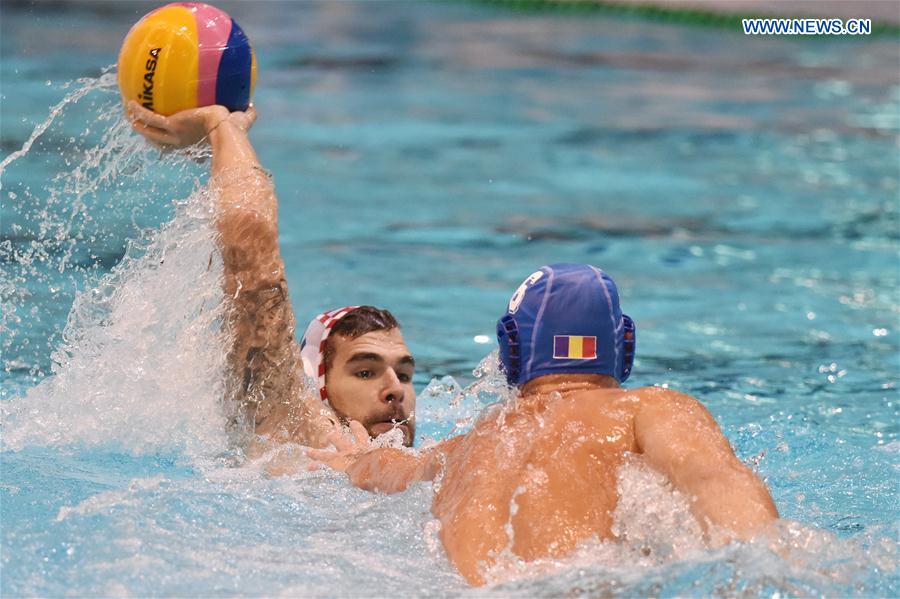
(248, 238)
(244, 223)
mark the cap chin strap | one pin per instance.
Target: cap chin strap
(629, 344)
(508, 336)
(312, 345)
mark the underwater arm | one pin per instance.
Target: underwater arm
(680, 438)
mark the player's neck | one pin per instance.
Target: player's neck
(567, 384)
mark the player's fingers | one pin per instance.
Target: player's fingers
(340, 442)
(325, 456)
(359, 432)
(156, 136)
(251, 115)
(147, 117)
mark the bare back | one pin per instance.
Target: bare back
(547, 469)
(540, 476)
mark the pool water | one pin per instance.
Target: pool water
(742, 191)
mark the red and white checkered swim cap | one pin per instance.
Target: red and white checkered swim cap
(312, 345)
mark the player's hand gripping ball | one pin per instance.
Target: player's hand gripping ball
(185, 55)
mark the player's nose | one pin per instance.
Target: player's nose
(393, 390)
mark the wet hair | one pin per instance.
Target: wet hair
(362, 320)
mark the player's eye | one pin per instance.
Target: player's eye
(364, 374)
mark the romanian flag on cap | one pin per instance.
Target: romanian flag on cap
(574, 347)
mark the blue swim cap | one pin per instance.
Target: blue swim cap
(565, 318)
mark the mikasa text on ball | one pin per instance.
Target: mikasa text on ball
(184, 55)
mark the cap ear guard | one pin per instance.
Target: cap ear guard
(312, 345)
(510, 354)
(629, 344)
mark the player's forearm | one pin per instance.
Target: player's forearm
(263, 355)
(387, 470)
(733, 500)
(231, 148)
(246, 211)
(241, 183)
(391, 470)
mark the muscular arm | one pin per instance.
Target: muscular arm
(679, 437)
(263, 355)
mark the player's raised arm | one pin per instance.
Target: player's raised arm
(264, 356)
(680, 438)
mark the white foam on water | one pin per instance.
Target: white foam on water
(101, 502)
(660, 550)
(140, 366)
(142, 362)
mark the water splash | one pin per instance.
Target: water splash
(445, 408)
(142, 360)
(137, 362)
(660, 552)
(78, 190)
(87, 85)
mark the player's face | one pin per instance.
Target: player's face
(370, 380)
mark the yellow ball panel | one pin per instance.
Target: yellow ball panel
(159, 61)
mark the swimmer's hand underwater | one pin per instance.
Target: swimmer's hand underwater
(379, 469)
(187, 127)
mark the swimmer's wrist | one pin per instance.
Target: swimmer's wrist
(220, 124)
(213, 117)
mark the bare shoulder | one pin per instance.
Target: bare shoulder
(670, 420)
(634, 400)
(600, 409)
(665, 400)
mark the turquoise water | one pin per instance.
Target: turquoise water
(742, 191)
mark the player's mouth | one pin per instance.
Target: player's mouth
(379, 428)
(382, 427)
